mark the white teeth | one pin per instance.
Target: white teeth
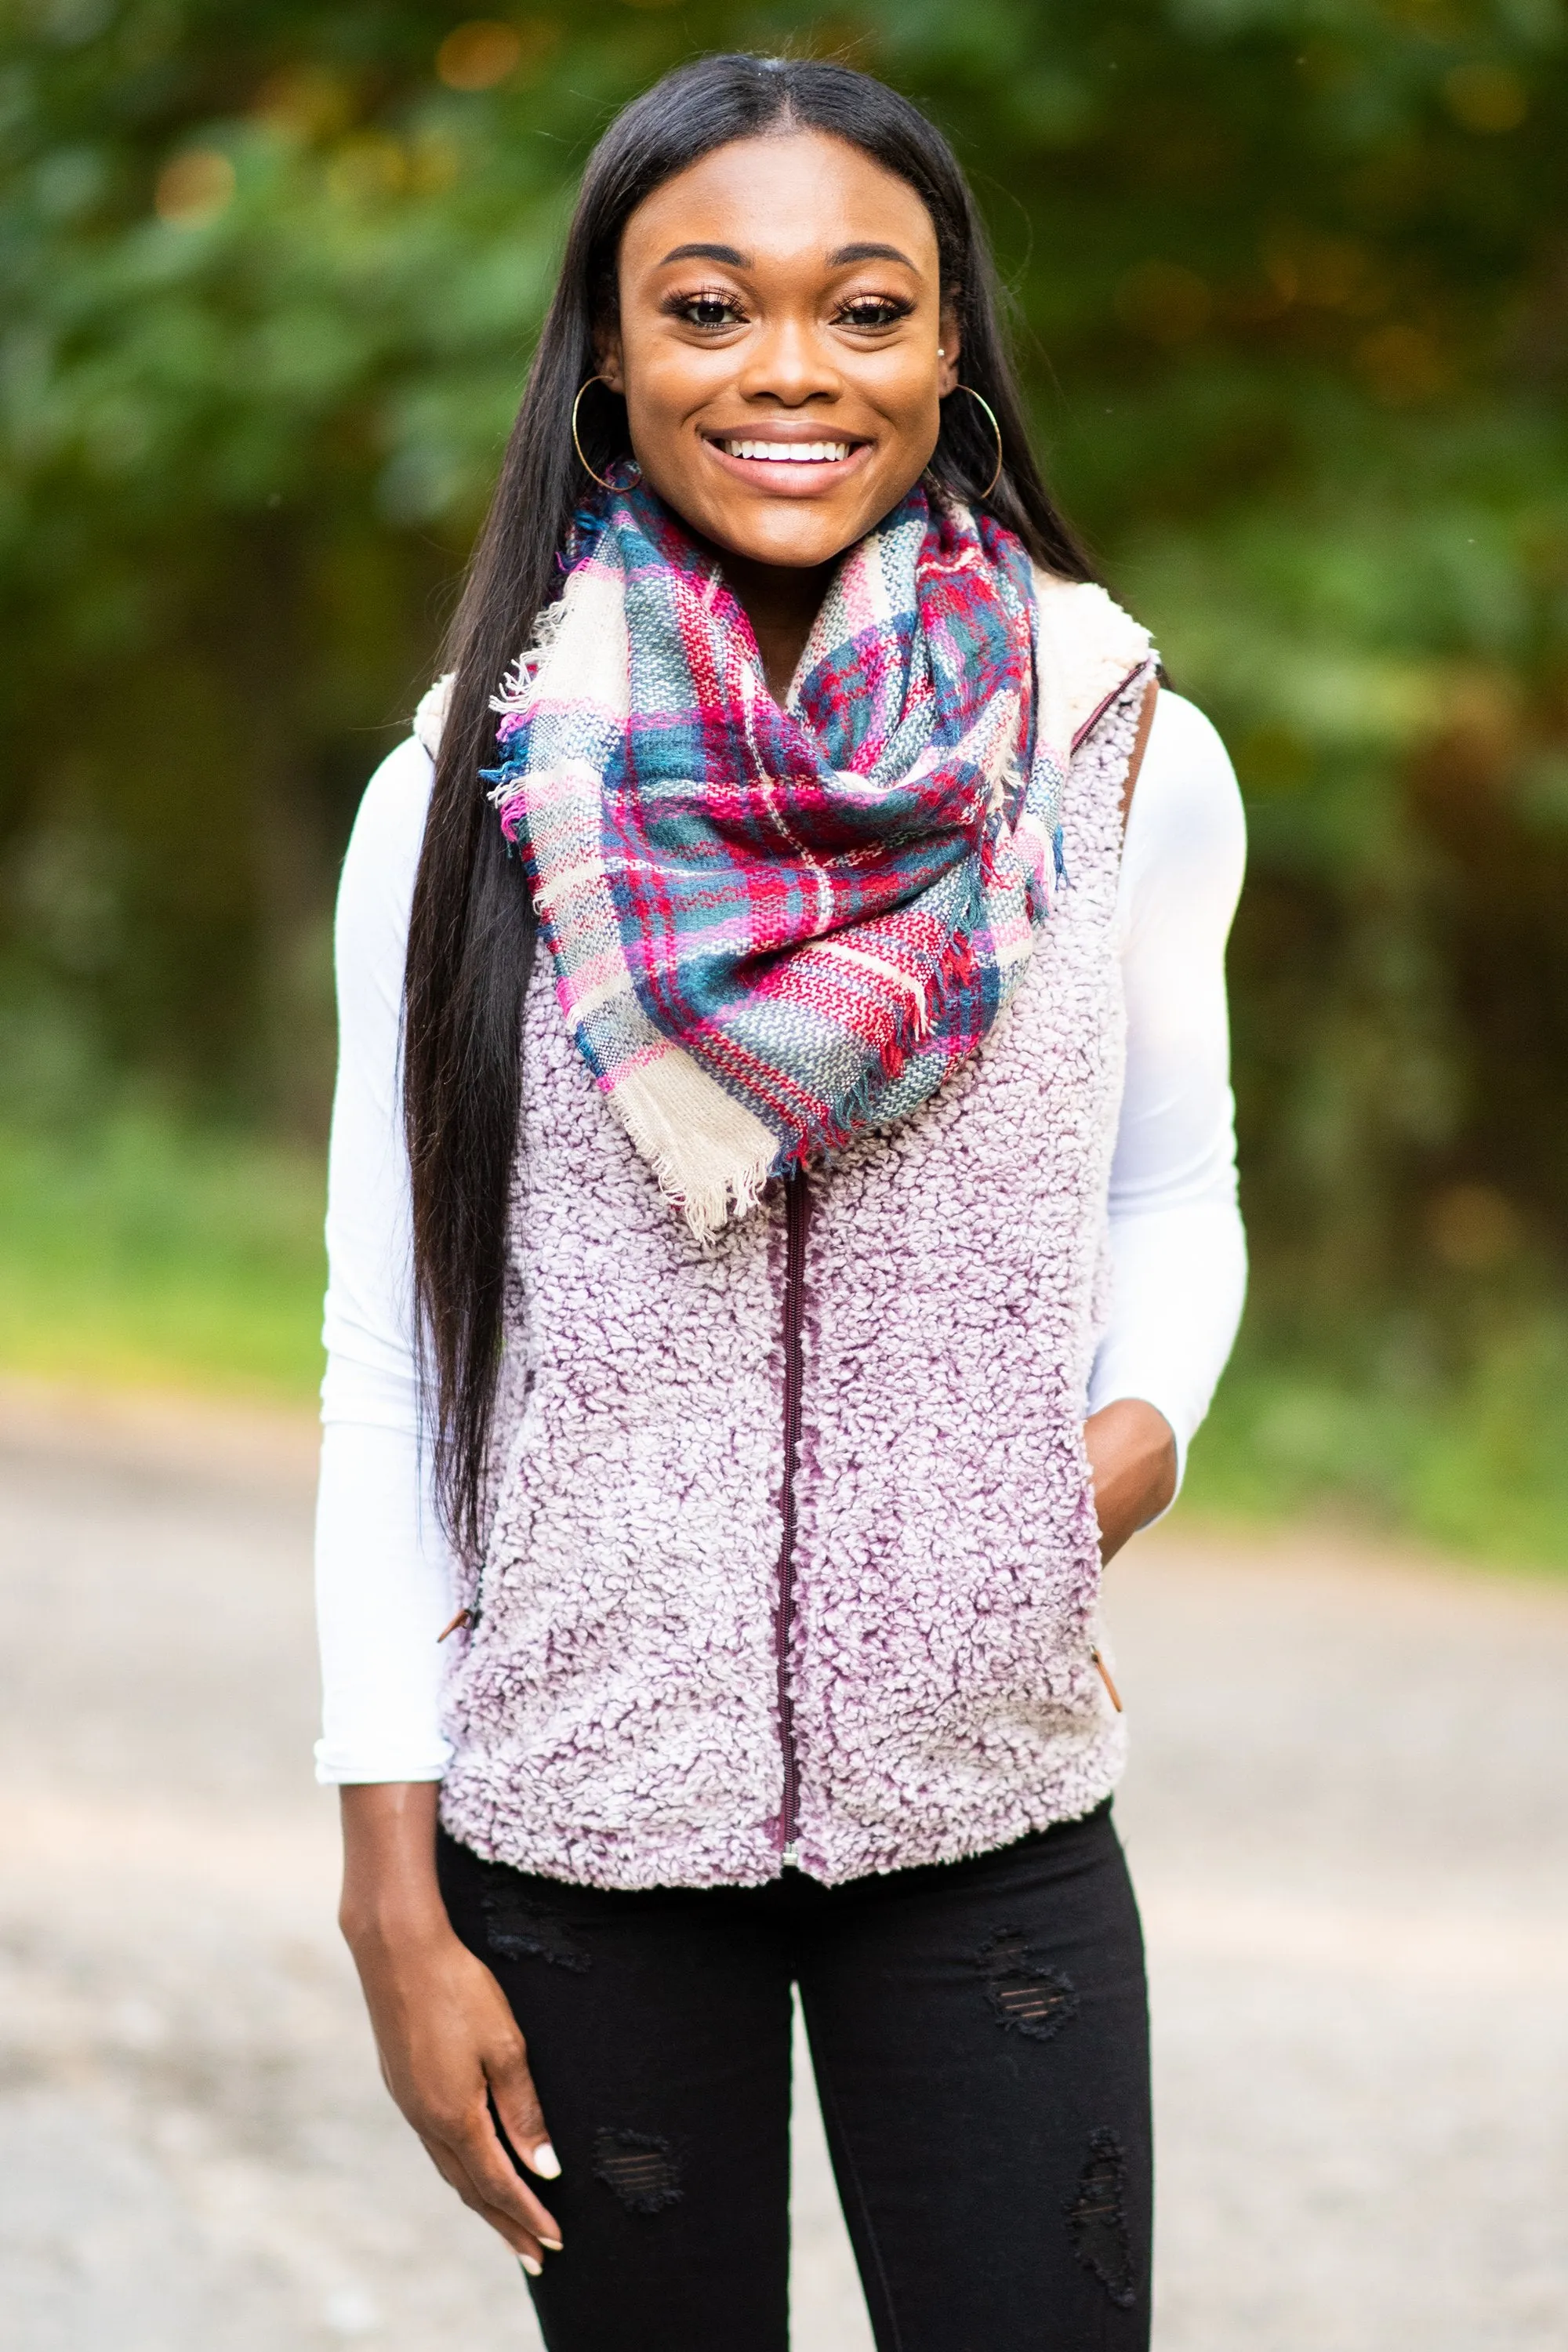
(789, 453)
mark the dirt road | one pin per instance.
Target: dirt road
(1348, 1818)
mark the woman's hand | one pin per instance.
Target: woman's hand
(1132, 1453)
(447, 2041)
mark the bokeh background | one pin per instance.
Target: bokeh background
(1290, 280)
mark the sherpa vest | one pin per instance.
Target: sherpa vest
(793, 1553)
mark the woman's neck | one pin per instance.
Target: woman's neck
(780, 602)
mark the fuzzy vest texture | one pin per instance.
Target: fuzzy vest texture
(657, 1690)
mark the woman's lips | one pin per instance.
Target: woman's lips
(787, 468)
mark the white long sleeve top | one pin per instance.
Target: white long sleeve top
(384, 1578)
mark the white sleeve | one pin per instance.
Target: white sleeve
(1178, 1250)
(382, 1571)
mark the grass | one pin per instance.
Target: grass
(1476, 1465)
(141, 1253)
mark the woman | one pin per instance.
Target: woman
(715, 1611)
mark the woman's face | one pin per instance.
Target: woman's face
(778, 344)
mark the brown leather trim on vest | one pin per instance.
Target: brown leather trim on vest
(1140, 745)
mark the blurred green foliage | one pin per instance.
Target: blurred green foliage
(1291, 280)
(138, 1253)
(1472, 1459)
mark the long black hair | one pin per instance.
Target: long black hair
(471, 943)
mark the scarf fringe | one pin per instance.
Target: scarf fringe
(858, 1108)
(712, 1157)
(515, 693)
(958, 967)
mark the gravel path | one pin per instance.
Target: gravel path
(1347, 1820)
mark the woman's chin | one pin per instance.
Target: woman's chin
(793, 532)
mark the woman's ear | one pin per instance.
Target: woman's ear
(607, 359)
(947, 351)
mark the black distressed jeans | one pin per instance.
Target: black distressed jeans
(980, 2038)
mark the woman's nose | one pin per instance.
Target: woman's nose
(788, 362)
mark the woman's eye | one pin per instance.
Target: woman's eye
(873, 311)
(708, 310)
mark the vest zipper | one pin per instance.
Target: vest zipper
(797, 1216)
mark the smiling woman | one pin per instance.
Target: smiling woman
(784, 396)
(809, 1272)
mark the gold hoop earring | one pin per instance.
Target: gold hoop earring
(996, 428)
(576, 404)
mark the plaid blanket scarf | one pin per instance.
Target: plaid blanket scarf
(771, 926)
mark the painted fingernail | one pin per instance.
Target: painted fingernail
(552, 2245)
(545, 2161)
(534, 2270)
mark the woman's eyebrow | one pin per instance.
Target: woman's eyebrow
(735, 259)
(866, 252)
(726, 253)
